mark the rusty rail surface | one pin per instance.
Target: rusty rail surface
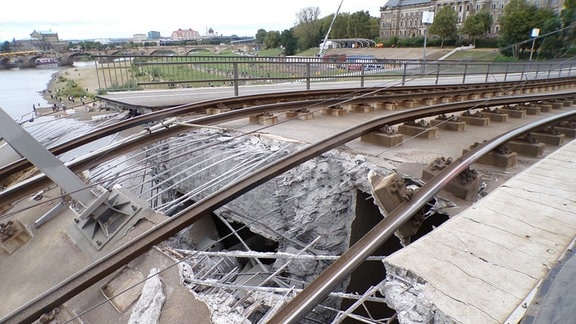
(38, 182)
(337, 271)
(122, 255)
(308, 99)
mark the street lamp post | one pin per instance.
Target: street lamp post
(425, 37)
(534, 35)
(427, 19)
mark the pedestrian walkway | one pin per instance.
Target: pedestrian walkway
(486, 264)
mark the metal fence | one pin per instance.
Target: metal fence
(118, 73)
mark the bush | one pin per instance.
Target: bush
(506, 51)
(436, 42)
(463, 42)
(411, 42)
(72, 89)
(391, 42)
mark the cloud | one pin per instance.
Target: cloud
(107, 18)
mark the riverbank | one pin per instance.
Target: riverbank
(57, 89)
(84, 77)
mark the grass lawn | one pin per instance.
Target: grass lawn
(480, 54)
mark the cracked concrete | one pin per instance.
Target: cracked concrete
(316, 201)
(481, 265)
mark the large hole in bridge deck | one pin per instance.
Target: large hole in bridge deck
(232, 236)
(316, 210)
(371, 273)
(255, 242)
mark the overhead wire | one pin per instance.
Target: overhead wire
(306, 107)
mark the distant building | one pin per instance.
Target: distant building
(48, 37)
(154, 35)
(139, 38)
(403, 18)
(103, 41)
(47, 40)
(211, 33)
(183, 35)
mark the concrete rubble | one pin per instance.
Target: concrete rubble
(251, 256)
(305, 213)
(316, 200)
(485, 264)
(148, 308)
(307, 210)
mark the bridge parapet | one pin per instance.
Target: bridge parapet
(135, 72)
(68, 59)
(26, 59)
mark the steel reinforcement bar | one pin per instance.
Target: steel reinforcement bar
(336, 272)
(314, 293)
(301, 99)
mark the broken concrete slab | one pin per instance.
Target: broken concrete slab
(483, 263)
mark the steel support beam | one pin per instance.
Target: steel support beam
(27, 146)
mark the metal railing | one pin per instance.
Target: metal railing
(117, 73)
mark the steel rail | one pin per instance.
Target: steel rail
(38, 182)
(336, 272)
(306, 99)
(114, 260)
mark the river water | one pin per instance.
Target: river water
(20, 89)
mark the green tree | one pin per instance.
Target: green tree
(361, 25)
(516, 24)
(477, 25)
(550, 45)
(374, 28)
(308, 28)
(340, 26)
(272, 39)
(568, 18)
(5, 47)
(260, 36)
(289, 41)
(444, 25)
(518, 21)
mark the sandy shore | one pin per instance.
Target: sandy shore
(84, 76)
(78, 108)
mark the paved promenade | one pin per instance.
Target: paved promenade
(158, 99)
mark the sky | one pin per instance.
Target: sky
(77, 20)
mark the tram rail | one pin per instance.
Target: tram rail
(306, 99)
(122, 255)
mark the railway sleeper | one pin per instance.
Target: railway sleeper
(501, 157)
(467, 185)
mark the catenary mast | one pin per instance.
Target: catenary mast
(323, 45)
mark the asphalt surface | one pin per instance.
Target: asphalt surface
(556, 300)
